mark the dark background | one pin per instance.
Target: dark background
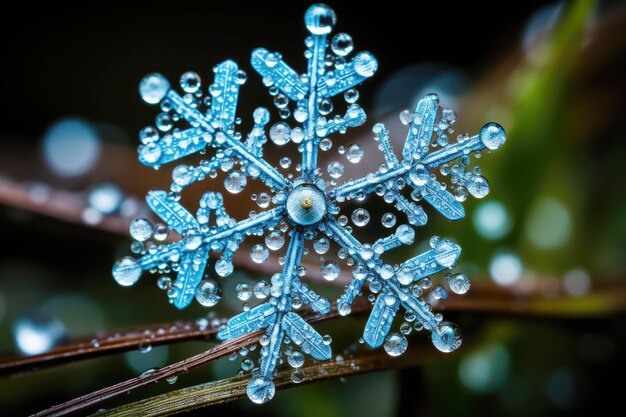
(85, 60)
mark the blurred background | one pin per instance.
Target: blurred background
(552, 228)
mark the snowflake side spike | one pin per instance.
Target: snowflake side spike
(307, 205)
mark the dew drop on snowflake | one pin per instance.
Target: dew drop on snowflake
(440, 293)
(446, 337)
(360, 217)
(297, 134)
(405, 328)
(406, 117)
(326, 144)
(243, 291)
(492, 135)
(342, 44)
(325, 107)
(260, 389)
(148, 135)
(406, 234)
(261, 289)
(140, 229)
(355, 153)
(395, 344)
(388, 220)
(458, 283)
(280, 133)
(478, 186)
(192, 239)
(150, 153)
(296, 359)
(164, 122)
(263, 200)
(460, 193)
(261, 116)
(365, 64)
(208, 293)
(330, 270)
(351, 96)
(259, 253)
(274, 240)
(223, 268)
(285, 162)
(335, 169)
(235, 182)
(190, 82)
(161, 232)
(419, 175)
(126, 271)
(321, 245)
(320, 19)
(153, 88)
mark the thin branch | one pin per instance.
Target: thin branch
(234, 388)
(483, 298)
(172, 370)
(108, 343)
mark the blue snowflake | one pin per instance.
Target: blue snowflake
(308, 204)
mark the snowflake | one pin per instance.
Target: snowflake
(307, 205)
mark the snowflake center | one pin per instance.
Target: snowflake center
(306, 205)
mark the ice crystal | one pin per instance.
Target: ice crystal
(308, 204)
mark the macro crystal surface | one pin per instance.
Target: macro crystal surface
(431, 170)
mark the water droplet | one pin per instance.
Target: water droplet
(280, 133)
(164, 283)
(478, 186)
(492, 135)
(150, 153)
(446, 337)
(395, 344)
(458, 283)
(330, 270)
(321, 245)
(235, 182)
(190, 82)
(342, 44)
(297, 376)
(153, 87)
(261, 289)
(388, 220)
(355, 153)
(365, 64)
(419, 175)
(296, 359)
(259, 253)
(320, 19)
(172, 379)
(192, 239)
(243, 291)
(360, 217)
(260, 389)
(406, 234)
(160, 232)
(148, 135)
(208, 293)
(351, 96)
(439, 292)
(247, 364)
(335, 169)
(263, 200)
(126, 271)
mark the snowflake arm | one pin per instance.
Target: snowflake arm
(393, 283)
(276, 317)
(215, 128)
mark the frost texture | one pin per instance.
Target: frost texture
(307, 205)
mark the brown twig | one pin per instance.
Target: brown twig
(231, 389)
(543, 300)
